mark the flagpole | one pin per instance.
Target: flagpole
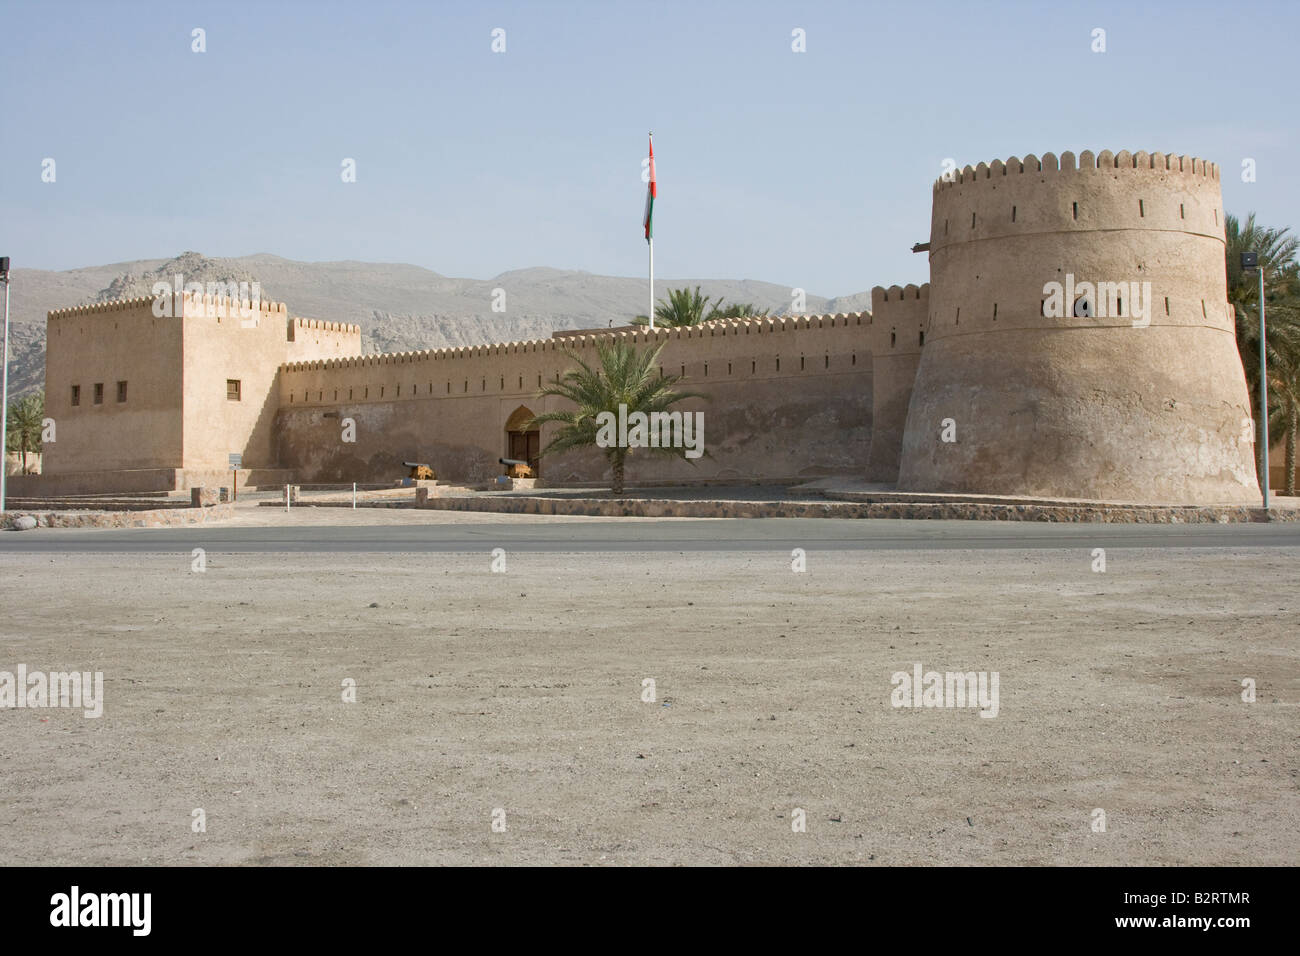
(652, 283)
(651, 313)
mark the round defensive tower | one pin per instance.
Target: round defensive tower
(1079, 336)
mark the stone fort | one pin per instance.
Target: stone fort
(971, 383)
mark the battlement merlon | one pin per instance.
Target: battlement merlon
(579, 340)
(1085, 162)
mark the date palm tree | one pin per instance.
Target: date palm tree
(623, 375)
(687, 307)
(23, 424)
(1277, 249)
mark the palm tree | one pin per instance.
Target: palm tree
(737, 310)
(24, 422)
(686, 307)
(1277, 250)
(625, 376)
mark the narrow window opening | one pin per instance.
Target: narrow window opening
(1203, 315)
(232, 390)
(778, 365)
(76, 395)
(1142, 208)
(801, 365)
(1076, 211)
(972, 220)
(995, 311)
(892, 339)
(121, 391)
(828, 362)
(920, 339)
(1166, 305)
(1013, 213)
(1182, 213)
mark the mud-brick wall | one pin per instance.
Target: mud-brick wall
(787, 398)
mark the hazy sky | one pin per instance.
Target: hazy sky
(810, 169)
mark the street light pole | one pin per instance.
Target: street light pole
(1263, 386)
(4, 390)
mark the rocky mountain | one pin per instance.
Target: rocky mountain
(399, 307)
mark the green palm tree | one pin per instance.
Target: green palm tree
(624, 375)
(737, 310)
(687, 307)
(1277, 249)
(683, 307)
(23, 425)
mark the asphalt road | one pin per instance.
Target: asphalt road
(753, 534)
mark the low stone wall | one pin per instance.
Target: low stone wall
(662, 508)
(157, 518)
(140, 480)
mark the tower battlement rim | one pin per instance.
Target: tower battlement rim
(1084, 162)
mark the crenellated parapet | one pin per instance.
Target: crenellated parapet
(579, 341)
(298, 325)
(215, 306)
(97, 308)
(1033, 197)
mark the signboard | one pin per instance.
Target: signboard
(236, 461)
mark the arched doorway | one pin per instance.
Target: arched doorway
(521, 444)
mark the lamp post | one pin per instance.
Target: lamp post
(4, 390)
(1250, 260)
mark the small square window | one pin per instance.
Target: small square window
(121, 391)
(232, 389)
(99, 393)
(76, 395)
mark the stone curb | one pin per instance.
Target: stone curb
(954, 511)
(157, 518)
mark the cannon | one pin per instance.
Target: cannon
(517, 468)
(420, 471)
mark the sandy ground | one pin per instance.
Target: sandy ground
(522, 691)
